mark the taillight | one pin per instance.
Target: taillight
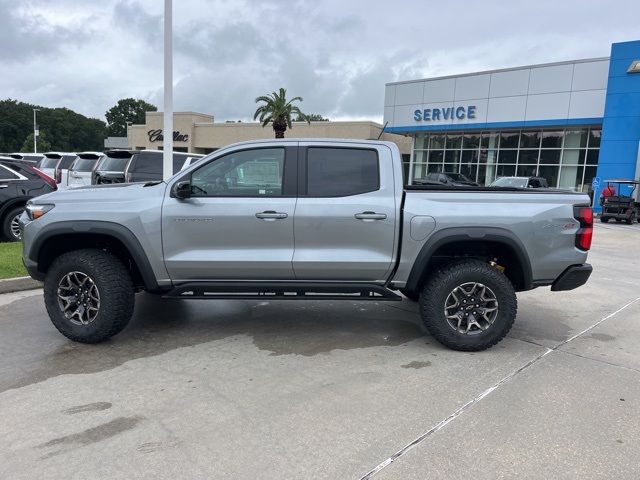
(46, 178)
(584, 235)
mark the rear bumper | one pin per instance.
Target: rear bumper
(573, 277)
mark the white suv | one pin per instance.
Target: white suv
(82, 168)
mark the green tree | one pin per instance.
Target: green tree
(311, 117)
(43, 143)
(65, 129)
(126, 110)
(276, 109)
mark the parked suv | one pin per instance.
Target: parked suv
(81, 170)
(451, 178)
(521, 182)
(56, 165)
(128, 166)
(19, 182)
(305, 219)
(32, 158)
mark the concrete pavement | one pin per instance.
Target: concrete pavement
(237, 389)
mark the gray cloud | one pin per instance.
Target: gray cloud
(336, 54)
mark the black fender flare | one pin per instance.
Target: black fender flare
(467, 234)
(111, 229)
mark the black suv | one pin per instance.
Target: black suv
(19, 182)
(126, 166)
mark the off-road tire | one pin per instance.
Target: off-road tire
(444, 281)
(411, 295)
(7, 234)
(115, 288)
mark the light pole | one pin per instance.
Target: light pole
(167, 144)
(35, 131)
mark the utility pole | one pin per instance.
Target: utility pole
(36, 132)
(167, 144)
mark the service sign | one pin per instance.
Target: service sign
(457, 112)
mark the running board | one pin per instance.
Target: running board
(283, 291)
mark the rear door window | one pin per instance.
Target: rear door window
(147, 164)
(66, 161)
(340, 172)
(84, 164)
(49, 162)
(113, 164)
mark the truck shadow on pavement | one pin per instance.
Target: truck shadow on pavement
(34, 351)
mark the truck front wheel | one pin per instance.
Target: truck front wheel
(89, 295)
(468, 305)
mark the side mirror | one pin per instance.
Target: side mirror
(181, 189)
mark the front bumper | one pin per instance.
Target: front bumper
(573, 277)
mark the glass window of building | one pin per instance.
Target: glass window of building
(552, 138)
(530, 139)
(509, 139)
(566, 158)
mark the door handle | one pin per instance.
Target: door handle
(370, 216)
(271, 215)
(4, 186)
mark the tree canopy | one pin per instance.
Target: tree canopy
(65, 129)
(278, 110)
(127, 110)
(311, 117)
(44, 145)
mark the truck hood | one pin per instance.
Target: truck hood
(109, 193)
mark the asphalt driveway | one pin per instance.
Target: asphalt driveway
(243, 389)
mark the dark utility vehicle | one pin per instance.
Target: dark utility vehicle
(128, 166)
(451, 178)
(622, 208)
(19, 182)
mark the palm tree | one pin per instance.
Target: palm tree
(277, 109)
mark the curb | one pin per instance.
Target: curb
(18, 284)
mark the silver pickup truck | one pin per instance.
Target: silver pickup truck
(305, 219)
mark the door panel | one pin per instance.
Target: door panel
(344, 237)
(238, 224)
(221, 238)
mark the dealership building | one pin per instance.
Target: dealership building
(198, 133)
(576, 123)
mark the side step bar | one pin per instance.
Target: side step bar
(283, 291)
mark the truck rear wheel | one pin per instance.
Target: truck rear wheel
(468, 305)
(89, 295)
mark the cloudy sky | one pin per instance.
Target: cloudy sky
(337, 54)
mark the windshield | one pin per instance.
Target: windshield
(84, 164)
(49, 162)
(517, 182)
(111, 164)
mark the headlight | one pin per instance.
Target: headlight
(36, 211)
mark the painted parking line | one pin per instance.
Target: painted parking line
(443, 423)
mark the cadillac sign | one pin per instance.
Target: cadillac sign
(156, 136)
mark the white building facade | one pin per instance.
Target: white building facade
(539, 120)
